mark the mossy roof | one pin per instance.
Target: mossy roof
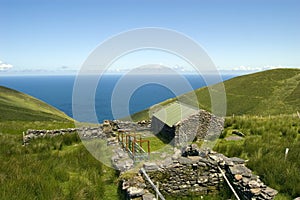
(174, 113)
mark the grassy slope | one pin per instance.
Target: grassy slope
(15, 105)
(52, 168)
(264, 144)
(19, 112)
(269, 92)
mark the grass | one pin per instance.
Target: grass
(50, 168)
(17, 106)
(17, 127)
(264, 93)
(264, 146)
(53, 168)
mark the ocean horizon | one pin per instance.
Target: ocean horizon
(57, 90)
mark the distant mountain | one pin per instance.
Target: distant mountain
(17, 106)
(270, 92)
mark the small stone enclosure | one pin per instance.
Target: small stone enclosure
(184, 124)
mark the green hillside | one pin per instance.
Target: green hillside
(270, 92)
(15, 105)
(19, 112)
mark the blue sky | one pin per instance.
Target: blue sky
(49, 34)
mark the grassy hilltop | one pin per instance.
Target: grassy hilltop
(269, 92)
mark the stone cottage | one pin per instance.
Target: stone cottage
(183, 124)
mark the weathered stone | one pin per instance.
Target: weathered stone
(255, 191)
(236, 160)
(270, 191)
(240, 169)
(148, 166)
(202, 164)
(177, 154)
(238, 177)
(253, 184)
(185, 161)
(148, 196)
(135, 192)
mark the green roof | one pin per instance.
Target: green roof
(173, 113)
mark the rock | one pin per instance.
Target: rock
(253, 184)
(236, 160)
(238, 177)
(163, 155)
(148, 196)
(185, 161)
(298, 198)
(271, 192)
(202, 164)
(255, 191)
(166, 162)
(177, 154)
(148, 166)
(202, 179)
(135, 192)
(240, 169)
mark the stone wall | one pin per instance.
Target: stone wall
(187, 176)
(197, 127)
(102, 131)
(85, 132)
(134, 126)
(201, 175)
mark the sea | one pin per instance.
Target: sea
(58, 91)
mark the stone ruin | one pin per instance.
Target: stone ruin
(189, 170)
(199, 175)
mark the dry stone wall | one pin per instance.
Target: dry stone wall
(84, 132)
(206, 125)
(201, 175)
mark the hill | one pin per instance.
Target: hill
(15, 105)
(19, 111)
(270, 92)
